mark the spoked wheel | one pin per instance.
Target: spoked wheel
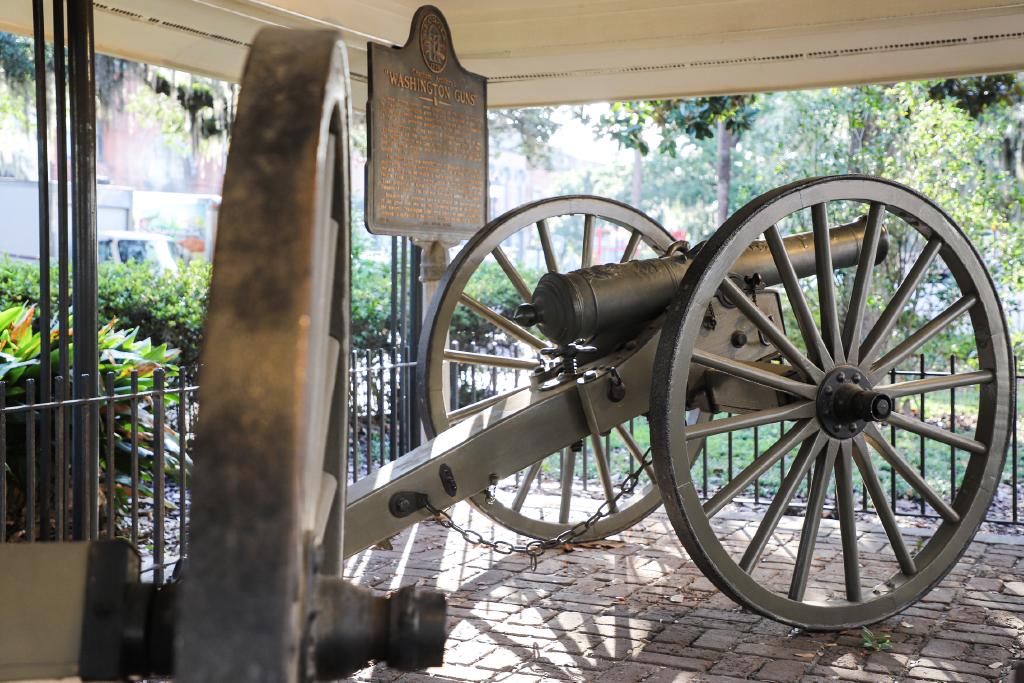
(496, 271)
(841, 350)
(274, 354)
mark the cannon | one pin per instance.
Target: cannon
(778, 320)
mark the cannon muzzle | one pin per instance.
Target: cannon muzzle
(609, 303)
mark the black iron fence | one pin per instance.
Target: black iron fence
(135, 480)
(140, 430)
(381, 408)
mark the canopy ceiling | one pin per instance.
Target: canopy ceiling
(559, 51)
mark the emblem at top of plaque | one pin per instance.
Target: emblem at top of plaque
(426, 170)
(434, 43)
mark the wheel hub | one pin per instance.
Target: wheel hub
(846, 402)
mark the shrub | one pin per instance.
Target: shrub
(168, 308)
(121, 354)
(371, 303)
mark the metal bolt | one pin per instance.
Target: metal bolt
(840, 376)
(828, 388)
(856, 378)
(589, 376)
(853, 427)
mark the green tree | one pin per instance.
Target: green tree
(526, 131)
(1000, 100)
(679, 120)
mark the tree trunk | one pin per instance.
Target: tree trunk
(724, 169)
(638, 177)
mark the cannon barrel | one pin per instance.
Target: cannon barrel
(609, 303)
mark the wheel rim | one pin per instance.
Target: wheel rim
(274, 359)
(807, 592)
(562, 234)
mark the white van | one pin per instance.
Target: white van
(128, 246)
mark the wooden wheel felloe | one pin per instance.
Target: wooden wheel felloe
(560, 234)
(841, 351)
(274, 356)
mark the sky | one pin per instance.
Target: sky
(577, 139)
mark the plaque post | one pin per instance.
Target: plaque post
(435, 260)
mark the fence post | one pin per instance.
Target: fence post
(158, 476)
(30, 461)
(60, 429)
(3, 461)
(952, 428)
(43, 186)
(183, 427)
(82, 89)
(111, 465)
(920, 439)
(353, 414)
(1013, 451)
(380, 406)
(135, 455)
(393, 403)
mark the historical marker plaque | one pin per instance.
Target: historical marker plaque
(426, 172)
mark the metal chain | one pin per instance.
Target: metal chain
(535, 548)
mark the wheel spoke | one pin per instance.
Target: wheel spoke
(812, 520)
(780, 502)
(882, 328)
(909, 474)
(848, 521)
(885, 513)
(524, 487)
(566, 473)
(827, 307)
(634, 449)
(631, 246)
(501, 322)
(489, 360)
(588, 241)
(474, 408)
(752, 373)
(791, 411)
(805, 321)
(912, 424)
(862, 282)
(525, 293)
(796, 434)
(930, 384)
(770, 330)
(603, 470)
(915, 341)
(545, 245)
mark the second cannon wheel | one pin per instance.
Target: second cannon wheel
(472, 353)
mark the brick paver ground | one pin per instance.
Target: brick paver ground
(637, 609)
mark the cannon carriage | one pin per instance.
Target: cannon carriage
(747, 329)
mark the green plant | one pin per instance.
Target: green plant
(876, 642)
(121, 355)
